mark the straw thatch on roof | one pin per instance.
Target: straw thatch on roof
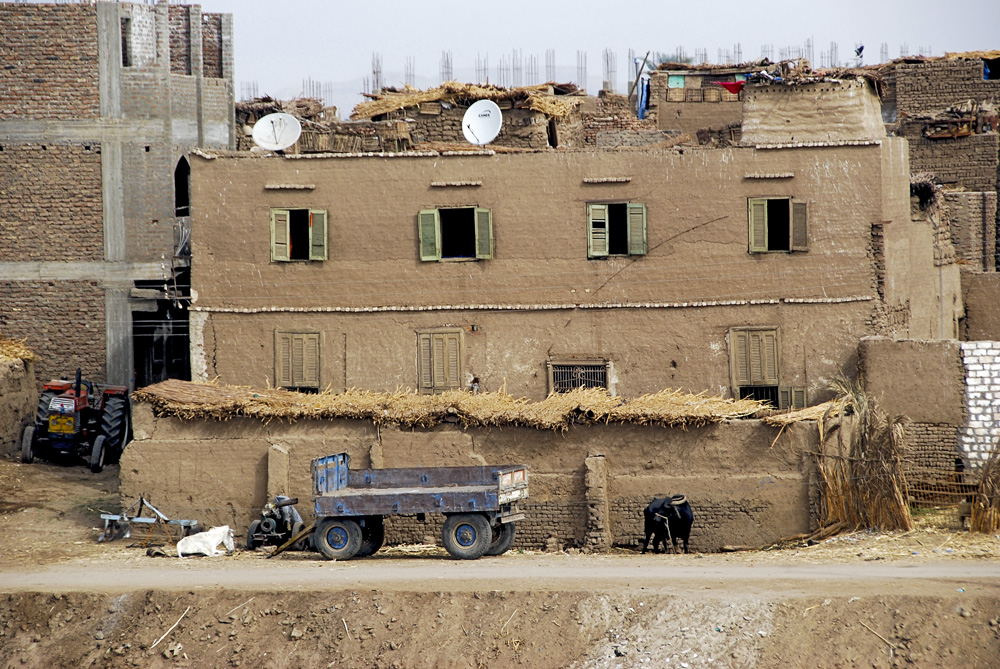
(538, 98)
(16, 349)
(668, 408)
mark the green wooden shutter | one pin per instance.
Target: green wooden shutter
(636, 229)
(800, 237)
(317, 234)
(597, 226)
(769, 357)
(756, 358)
(798, 398)
(310, 361)
(784, 398)
(758, 225)
(279, 235)
(741, 357)
(430, 234)
(484, 234)
(424, 362)
(452, 361)
(282, 359)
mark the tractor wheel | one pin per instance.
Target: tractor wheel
(28, 444)
(372, 536)
(299, 545)
(467, 536)
(97, 454)
(338, 538)
(114, 425)
(503, 539)
(252, 542)
(42, 412)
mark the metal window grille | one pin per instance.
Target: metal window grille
(569, 376)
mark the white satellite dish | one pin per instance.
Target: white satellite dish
(276, 131)
(482, 121)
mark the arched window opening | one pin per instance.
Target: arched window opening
(182, 188)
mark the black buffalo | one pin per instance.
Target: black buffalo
(668, 516)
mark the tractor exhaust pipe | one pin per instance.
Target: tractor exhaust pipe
(79, 380)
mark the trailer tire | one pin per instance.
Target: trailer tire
(503, 539)
(372, 536)
(467, 536)
(28, 444)
(338, 538)
(252, 542)
(97, 454)
(303, 543)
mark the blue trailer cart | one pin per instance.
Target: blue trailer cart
(480, 505)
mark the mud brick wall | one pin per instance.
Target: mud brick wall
(982, 399)
(522, 128)
(970, 162)
(180, 39)
(148, 200)
(933, 449)
(211, 45)
(48, 314)
(981, 295)
(619, 129)
(51, 196)
(972, 221)
(48, 61)
(932, 86)
(18, 396)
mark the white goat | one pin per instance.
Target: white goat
(207, 542)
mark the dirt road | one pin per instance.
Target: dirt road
(928, 598)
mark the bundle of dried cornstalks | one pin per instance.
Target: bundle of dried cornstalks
(13, 348)
(986, 503)
(862, 472)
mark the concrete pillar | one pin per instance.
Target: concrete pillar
(598, 536)
(118, 337)
(196, 327)
(197, 68)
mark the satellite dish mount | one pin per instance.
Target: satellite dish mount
(481, 123)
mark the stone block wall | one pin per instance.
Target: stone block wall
(52, 206)
(18, 396)
(48, 61)
(982, 398)
(63, 322)
(972, 221)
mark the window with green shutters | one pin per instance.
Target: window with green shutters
(455, 233)
(297, 359)
(777, 224)
(298, 235)
(439, 360)
(754, 358)
(616, 229)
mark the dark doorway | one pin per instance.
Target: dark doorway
(160, 334)
(182, 188)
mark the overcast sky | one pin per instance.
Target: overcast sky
(279, 44)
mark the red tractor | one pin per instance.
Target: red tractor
(78, 420)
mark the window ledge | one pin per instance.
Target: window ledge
(777, 175)
(455, 184)
(289, 186)
(607, 180)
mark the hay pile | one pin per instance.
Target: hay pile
(986, 503)
(669, 408)
(537, 98)
(12, 348)
(863, 482)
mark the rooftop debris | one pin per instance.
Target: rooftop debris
(554, 100)
(668, 408)
(16, 349)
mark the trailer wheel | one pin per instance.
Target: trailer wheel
(372, 536)
(28, 444)
(467, 536)
(338, 538)
(503, 539)
(97, 455)
(303, 543)
(252, 542)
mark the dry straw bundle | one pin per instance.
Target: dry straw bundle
(863, 482)
(537, 98)
(673, 408)
(16, 349)
(986, 503)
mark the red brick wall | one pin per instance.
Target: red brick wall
(211, 45)
(48, 61)
(63, 322)
(180, 39)
(51, 202)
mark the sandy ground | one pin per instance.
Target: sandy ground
(927, 598)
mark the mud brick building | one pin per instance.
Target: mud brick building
(100, 104)
(751, 270)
